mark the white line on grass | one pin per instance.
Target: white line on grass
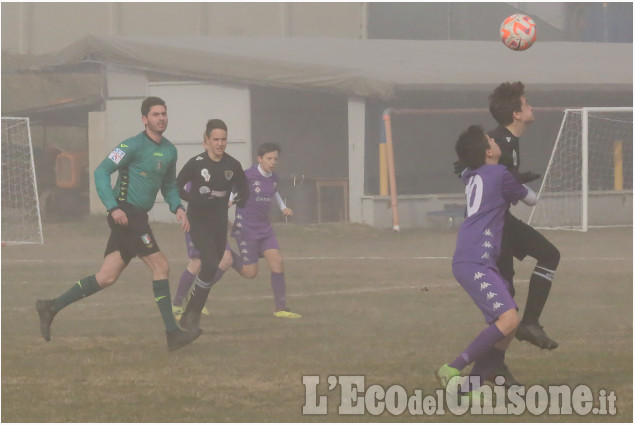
(175, 260)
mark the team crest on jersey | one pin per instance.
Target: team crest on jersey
(205, 174)
(147, 241)
(257, 189)
(509, 139)
(116, 155)
(229, 174)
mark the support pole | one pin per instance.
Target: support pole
(383, 170)
(618, 166)
(392, 181)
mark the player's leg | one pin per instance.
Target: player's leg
(529, 242)
(115, 261)
(490, 293)
(245, 261)
(176, 337)
(224, 265)
(210, 242)
(272, 255)
(188, 275)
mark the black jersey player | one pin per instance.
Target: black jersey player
(510, 109)
(212, 175)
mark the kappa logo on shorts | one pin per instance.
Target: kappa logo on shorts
(147, 241)
(229, 174)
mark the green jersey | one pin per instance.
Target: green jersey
(144, 167)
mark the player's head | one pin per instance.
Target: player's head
(268, 155)
(508, 104)
(215, 138)
(154, 114)
(475, 148)
(149, 102)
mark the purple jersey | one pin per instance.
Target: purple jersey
(490, 189)
(252, 220)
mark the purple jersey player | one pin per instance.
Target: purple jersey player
(490, 190)
(253, 232)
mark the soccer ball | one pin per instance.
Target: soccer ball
(518, 32)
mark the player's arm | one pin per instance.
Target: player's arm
(240, 185)
(118, 158)
(169, 189)
(286, 211)
(531, 199)
(182, 180)
(514, 191)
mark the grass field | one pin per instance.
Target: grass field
(375, 303)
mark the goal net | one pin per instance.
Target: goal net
(589, 178)
(21, 222)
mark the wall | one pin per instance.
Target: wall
(35, 28)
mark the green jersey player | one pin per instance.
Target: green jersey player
(146, 163)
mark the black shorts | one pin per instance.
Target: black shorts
(209, 235)
(519, 241)
(135, 239)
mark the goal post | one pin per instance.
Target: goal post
(589, 177)
(21, 221)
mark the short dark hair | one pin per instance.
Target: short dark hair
(265, 148)
(505, 100)
(149, 102)
(471, 146)
(214, 124)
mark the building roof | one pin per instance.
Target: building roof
(366, 68)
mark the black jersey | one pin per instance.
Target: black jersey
(211, 183)
(510, 147)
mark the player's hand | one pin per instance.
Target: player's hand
(119, 217)
(459, 167)
(181, 217)
(287, 212)
(527, 177)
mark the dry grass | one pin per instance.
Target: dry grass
(365, 309)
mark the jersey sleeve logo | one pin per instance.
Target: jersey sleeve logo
(116, 155)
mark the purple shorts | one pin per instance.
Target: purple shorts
(488, 289)
(251, 250)
(192, 252)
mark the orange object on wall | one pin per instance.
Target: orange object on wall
(69, 166)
